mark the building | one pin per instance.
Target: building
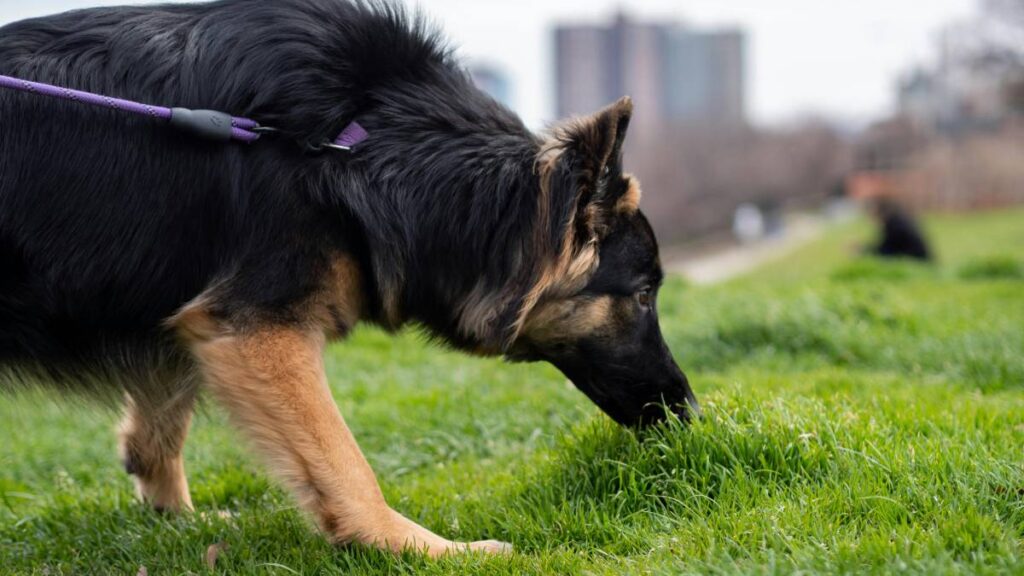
(674, 73)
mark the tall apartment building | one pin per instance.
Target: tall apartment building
(673, 72)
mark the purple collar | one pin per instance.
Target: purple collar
(208, 124)
(350, 137)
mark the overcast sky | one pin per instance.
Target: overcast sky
(838, 58)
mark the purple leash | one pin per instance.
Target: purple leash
(206, 123)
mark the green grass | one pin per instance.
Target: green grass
(861, 416)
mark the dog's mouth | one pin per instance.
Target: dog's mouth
(644, 410)
(635, 402)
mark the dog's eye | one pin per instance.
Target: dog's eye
(606, 171)
(643, 297)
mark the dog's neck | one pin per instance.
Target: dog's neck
(450, 209)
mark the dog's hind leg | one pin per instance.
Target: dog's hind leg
(152, 436)
(272, 382)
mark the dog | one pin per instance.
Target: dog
(143, 263)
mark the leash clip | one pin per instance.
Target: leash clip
(334, 146)
(327, 145)
(350, 137)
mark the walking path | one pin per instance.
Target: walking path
(714, 266)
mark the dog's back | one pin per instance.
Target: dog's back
(100, 237)
(110, 223)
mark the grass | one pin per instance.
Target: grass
(861, 417)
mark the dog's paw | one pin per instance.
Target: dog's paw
(491, 547)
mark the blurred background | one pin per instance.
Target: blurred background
(749, 110)
(758, 123)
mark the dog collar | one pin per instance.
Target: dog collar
(350, 137)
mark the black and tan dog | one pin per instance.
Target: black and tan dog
(140, 260)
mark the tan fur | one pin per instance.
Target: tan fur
(479, 311)
(341, 303)
(569, 319)
(391, 303)
(596, 133)
(194, 323)
(630, 201)
(152, 437)
(566, 276)
(574, 266)
(272, 382)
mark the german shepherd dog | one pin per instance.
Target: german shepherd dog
(150, 264)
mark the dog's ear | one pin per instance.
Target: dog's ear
(592, 153)
(595, 143)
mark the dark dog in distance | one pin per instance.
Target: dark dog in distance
(138, 262)
(899, 235)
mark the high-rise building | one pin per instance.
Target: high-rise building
(674, 73)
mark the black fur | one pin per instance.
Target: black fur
(900, 235)
(110, 223)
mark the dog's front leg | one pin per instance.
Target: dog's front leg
(272, 383)
(152, 436)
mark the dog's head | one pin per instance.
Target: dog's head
(593, 312)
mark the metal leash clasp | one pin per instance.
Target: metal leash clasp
(334, 146)
(350, 137)
(327, 145)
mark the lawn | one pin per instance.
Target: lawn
(861, 417)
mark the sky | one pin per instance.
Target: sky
(833, 58)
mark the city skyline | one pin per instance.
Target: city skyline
(838, 59)
(675, 73)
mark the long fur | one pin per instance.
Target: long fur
(109, 224)
(143, 262)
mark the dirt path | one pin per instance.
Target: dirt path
(718, 265)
